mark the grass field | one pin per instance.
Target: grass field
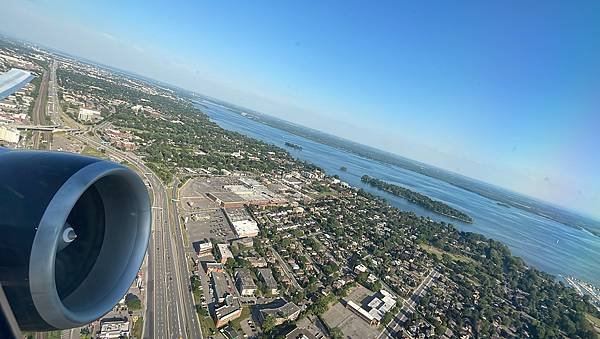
(136, 332)
(439, 252)
(245, 315)
(87, 150)
(207, 324)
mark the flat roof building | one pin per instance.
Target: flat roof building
(257, 261)
(88, 114)
(211, 266)
(230, 310)
(203, 247)
(114, 328)
(224, 253)
(266, 275)
(280, 310)
(222, 285)
(242, 223)
(244, 282)
(361, 312)
(245, 242)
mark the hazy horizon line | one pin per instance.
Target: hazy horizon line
(331, 134)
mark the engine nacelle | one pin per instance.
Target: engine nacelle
(73, 235)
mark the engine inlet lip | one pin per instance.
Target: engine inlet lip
(42, 281)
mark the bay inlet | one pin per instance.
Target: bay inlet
(543, 243)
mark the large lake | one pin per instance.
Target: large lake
(542, 243)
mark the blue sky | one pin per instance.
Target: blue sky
(506, 92)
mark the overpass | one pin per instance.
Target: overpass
(43, 128)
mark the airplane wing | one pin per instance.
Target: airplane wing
(12, 81)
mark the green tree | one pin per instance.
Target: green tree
(268, 324)
(133, 302)
(336, 333)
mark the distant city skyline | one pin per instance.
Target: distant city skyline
(501, 92)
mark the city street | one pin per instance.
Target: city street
(408, 305)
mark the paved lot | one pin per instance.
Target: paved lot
(351, 325)
(209, 224)
(204, 218)
(246, 326)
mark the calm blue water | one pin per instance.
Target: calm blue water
(529, 236)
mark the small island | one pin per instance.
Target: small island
(343, 169)
(418, 198)
(294, 146)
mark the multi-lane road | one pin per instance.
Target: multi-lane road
(189, 308)
(170, 308)
(39, 111)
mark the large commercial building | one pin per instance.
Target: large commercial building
(242, 223)
(231, 192)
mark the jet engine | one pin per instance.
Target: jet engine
(73, 235)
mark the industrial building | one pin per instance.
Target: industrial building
(244, 282)
(242, 223)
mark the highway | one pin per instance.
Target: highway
(164, 311)
(170, 309)
(53, 104)
(192, 322)
(38, 114)
(170, 305)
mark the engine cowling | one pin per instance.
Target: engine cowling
(73, 234)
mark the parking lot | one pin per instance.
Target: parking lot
(250, 328)
(209, 224)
